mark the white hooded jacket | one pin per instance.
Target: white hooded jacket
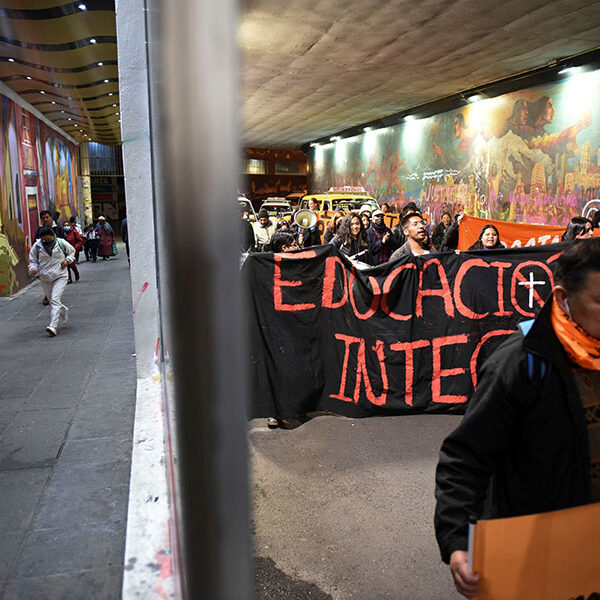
(48, 265)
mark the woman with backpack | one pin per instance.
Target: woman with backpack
(48, 258)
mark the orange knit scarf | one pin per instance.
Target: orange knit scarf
(581, 348)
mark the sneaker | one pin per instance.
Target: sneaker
(64, 314)
(51, 330)
(272, 422)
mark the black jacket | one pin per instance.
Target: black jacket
(533, 441)
(58, 231)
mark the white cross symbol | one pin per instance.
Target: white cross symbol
(531, 283)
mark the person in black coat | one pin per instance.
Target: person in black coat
(523, 446)
(47, 221)
(351, 239)
(440, 229)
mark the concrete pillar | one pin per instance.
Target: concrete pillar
(84, 186)
(137, 167)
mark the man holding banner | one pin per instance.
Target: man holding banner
(530, 439)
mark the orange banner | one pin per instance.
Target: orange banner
(514, 235)
(549, 556)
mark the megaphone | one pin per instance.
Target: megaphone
(305, 219)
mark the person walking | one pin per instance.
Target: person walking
(106, 236)
(48, 258)
(72, 236)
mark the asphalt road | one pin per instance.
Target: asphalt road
(343, 509)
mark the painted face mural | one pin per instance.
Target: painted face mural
(38, 172)
(531, 156)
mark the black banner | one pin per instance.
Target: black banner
(405, 337)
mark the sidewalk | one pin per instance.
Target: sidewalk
(66, 417)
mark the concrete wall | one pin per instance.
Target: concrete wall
(135, 132)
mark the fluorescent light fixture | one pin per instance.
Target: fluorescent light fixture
(53, 102)
(569, 71)
(42, 92)
(27, 77)
(335, 138)
(116, 113)
(106, 81)
(11, 60)
(367, 129)
(69, 119)
(114, 104)
(92, 40)
(314, 145)
(409, 118)
(62, 111)
(474, 98)
(111, 94)
(100, 64)
(82, 6)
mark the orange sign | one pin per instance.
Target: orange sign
(546, 556)
(514, 235)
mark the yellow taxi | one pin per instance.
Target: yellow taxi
(350, 198)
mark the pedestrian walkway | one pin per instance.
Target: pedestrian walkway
(66, 419)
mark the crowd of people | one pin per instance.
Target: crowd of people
(363, 235)
(55, 254)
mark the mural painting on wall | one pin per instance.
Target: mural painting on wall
(38, 172)
(531, 156)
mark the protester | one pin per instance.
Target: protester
(409, 208)
(381, 240)
(46, 220)
(450, 240)
(352, 239)
(283, 225)
(105, 234)
(525, 425)
(313, 205)
(284, 241)
(386, 208)
(333, 225)
(596, 219)
(579, 228)
(417, 243)
(365, 217)
(440, 229)
(489, 239)
(73, 222)
(48, 258)
(73, 237)
(264, 229)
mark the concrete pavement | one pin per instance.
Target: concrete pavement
(343, 509)
(66, 416)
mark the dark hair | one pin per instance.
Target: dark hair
(263, 214)
(281, 239)
(385, 204)
(281, 223)
(344, 230)
(574, 228)
(46, 231)
(411, 207)
(338, 212)
(536, 109)
(408, 216)
(576, 262)
(446, 213)
(596, 219)
(72, 219)
(478, 245)
(45, 212)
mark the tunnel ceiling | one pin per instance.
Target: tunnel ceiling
(62, 58)
(310, 68)
(315, 67)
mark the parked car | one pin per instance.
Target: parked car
(247, 208)
(278, 208)
(294, 199)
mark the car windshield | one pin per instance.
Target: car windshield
(277, 209)
(354, 204)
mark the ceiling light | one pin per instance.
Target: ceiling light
(474, 98)
(27, 77)
(69, 119)
(569, 71)
(106, 81)
(367, 129)
(111, 94)
(92, 40)
(409, 118)
(114, 104)
(53, 102)
(75, 124)
(57, 85)
(82, 6)
(62, 111)
(335, 138)
(116, 113)
(11, 60)
(314, 145)
(100, 64)
(42, 92)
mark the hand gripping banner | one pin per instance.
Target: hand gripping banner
(402, 338)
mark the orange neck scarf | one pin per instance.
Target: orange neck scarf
(581, 348)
